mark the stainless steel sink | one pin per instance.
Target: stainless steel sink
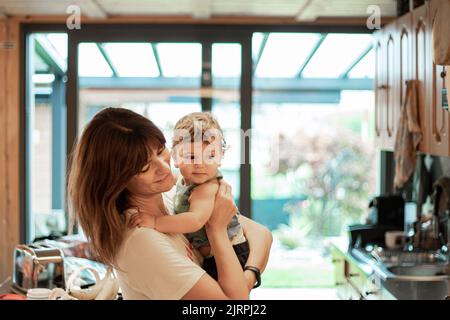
(421, 270)
(398, 258)
(413, 275)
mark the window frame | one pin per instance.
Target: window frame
(206, 34)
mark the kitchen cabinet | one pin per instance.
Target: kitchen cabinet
(438, 118)
(379, 88)
(350, 280)
(403, 51)
(340, 282)
(421, 71)
(355, 280)
(387, 86)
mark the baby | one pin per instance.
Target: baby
(198, 148)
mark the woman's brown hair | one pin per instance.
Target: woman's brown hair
(115, 146)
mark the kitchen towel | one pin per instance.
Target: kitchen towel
(408, 135)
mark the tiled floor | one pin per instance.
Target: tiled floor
(293, 294)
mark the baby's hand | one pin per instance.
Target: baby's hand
(142, 220)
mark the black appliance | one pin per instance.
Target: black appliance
(386, 214)
(387, 210)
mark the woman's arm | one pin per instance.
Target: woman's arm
(231, 280)
(260, 241)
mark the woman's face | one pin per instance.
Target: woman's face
(156, 176)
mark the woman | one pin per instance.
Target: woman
(121, 163)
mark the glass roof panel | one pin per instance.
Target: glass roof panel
(39, 65)
(336, 53)
(365, 68)
(285, 53)
(59, 42)
(226, 60)
(132, 59)
(91, 62)
(180, 59)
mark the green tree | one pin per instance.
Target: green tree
(335, 172)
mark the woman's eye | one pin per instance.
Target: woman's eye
(146, 167)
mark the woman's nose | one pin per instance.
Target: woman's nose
(162, 166)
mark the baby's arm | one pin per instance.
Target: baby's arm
(201, 205)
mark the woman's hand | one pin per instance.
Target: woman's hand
(139, 219)
(224, 208)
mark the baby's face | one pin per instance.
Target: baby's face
(199, 161)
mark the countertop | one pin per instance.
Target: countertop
(342, 245)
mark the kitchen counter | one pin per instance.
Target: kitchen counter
(354, 276)
(342, 245)
(357, 276)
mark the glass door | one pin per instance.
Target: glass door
(152, 79)
(165, 81)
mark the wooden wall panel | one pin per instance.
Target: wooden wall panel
(9, 143)
(3, 220)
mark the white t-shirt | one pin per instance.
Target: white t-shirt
(155, 265)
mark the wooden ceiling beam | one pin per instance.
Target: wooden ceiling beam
(92, 9)
(201, 9)
(187, 19)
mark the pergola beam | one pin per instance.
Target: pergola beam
(156, 54)
(107, 59)
(311, 54)
(274, 84)
(49, 55)
(260, 51)
(363, 54)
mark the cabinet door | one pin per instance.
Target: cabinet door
(380, 89)
(405, 42)
(391, 78)
(439, 116)
(340, 282)
(338, 261)
(372, 289)
(421, 73)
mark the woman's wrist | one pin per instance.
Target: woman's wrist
(250, 276)
(215, 232)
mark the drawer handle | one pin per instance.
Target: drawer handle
(368, 293)
(353, 274)
(339, 283)
(336, 260)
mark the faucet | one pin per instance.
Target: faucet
(445, 243)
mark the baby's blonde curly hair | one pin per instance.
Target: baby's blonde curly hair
(197, 123)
